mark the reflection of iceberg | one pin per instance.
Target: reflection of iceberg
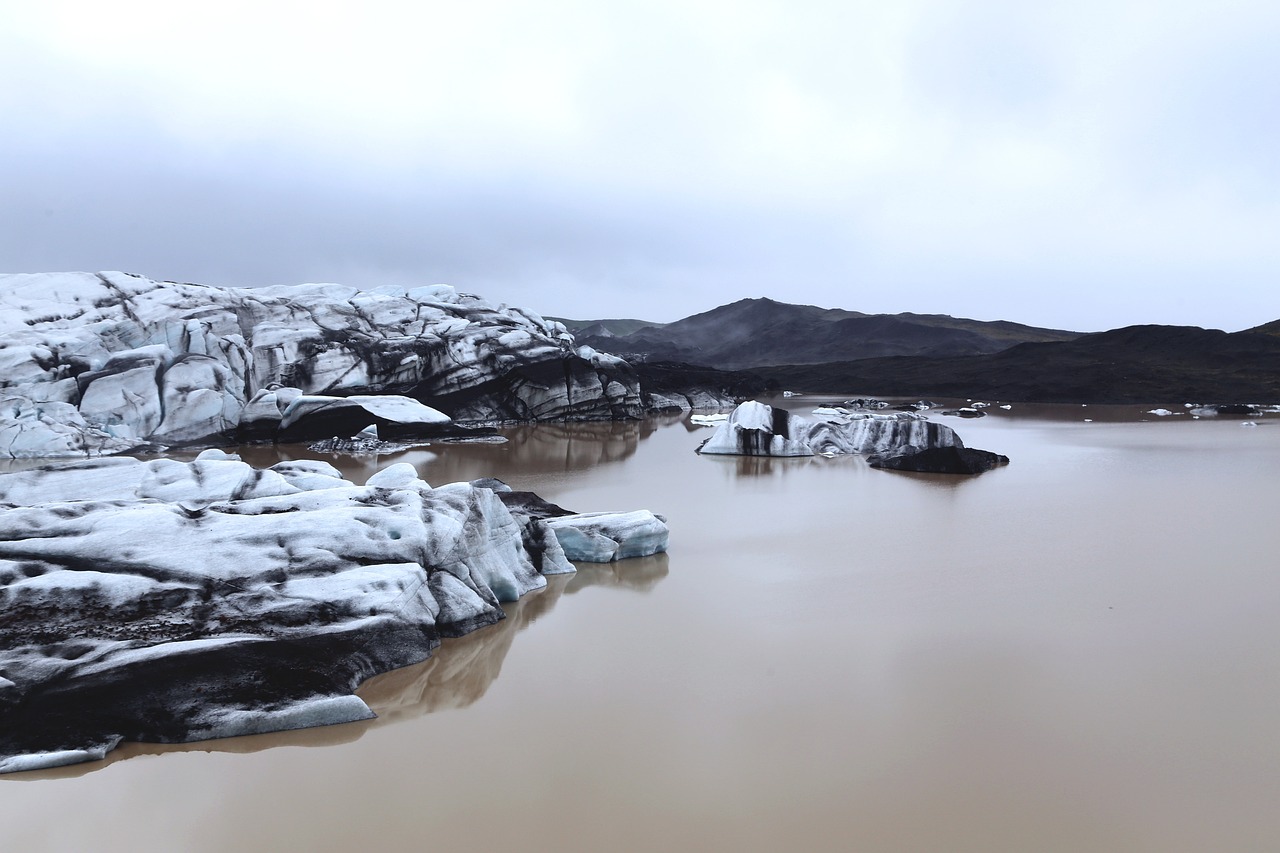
(462, 669)
(759, 466)
(640, 574)
(545, 448)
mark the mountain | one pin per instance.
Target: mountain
(1272, 328)
(603, 328)
(1135, 364)
(756, 332)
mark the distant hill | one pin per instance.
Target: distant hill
(604, 328)
(1272, 328)
(1136, 364)
(752, 333)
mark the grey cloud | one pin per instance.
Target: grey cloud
(949, 158)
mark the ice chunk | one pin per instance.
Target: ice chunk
(755, 429)
(602, 537)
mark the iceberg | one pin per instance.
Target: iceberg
(756, 429)
(602, 537)
(169, 601)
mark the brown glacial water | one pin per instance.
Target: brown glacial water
(1078, 652)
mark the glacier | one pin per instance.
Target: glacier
(100, 363)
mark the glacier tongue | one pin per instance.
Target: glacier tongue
(94, 364)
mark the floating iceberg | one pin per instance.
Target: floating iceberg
(756, 429)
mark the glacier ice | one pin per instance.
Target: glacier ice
(98, 363)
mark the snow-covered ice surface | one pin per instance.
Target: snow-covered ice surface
(97, 363)
(169, 601)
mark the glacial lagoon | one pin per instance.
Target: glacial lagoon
(1079, 651)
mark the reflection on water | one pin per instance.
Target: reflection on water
(532, 450)
(758, 466)
(463, 669)
(641, 574)
(1075, 652)
(456, 675)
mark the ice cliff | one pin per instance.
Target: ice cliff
(169, 601)
(97, 363)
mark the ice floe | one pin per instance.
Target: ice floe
(756, 429)
(167, 601)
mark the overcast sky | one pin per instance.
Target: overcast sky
(1079, 165)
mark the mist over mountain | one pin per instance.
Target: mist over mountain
(752, 333)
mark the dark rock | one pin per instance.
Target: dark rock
(527, 504)
(755, 332)
(673, 386)
(942, 460)
(1138, 364)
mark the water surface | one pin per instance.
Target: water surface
(1078, 652)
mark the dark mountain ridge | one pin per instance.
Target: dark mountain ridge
(1134, 364)
(1272, 328)
(751, 333)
